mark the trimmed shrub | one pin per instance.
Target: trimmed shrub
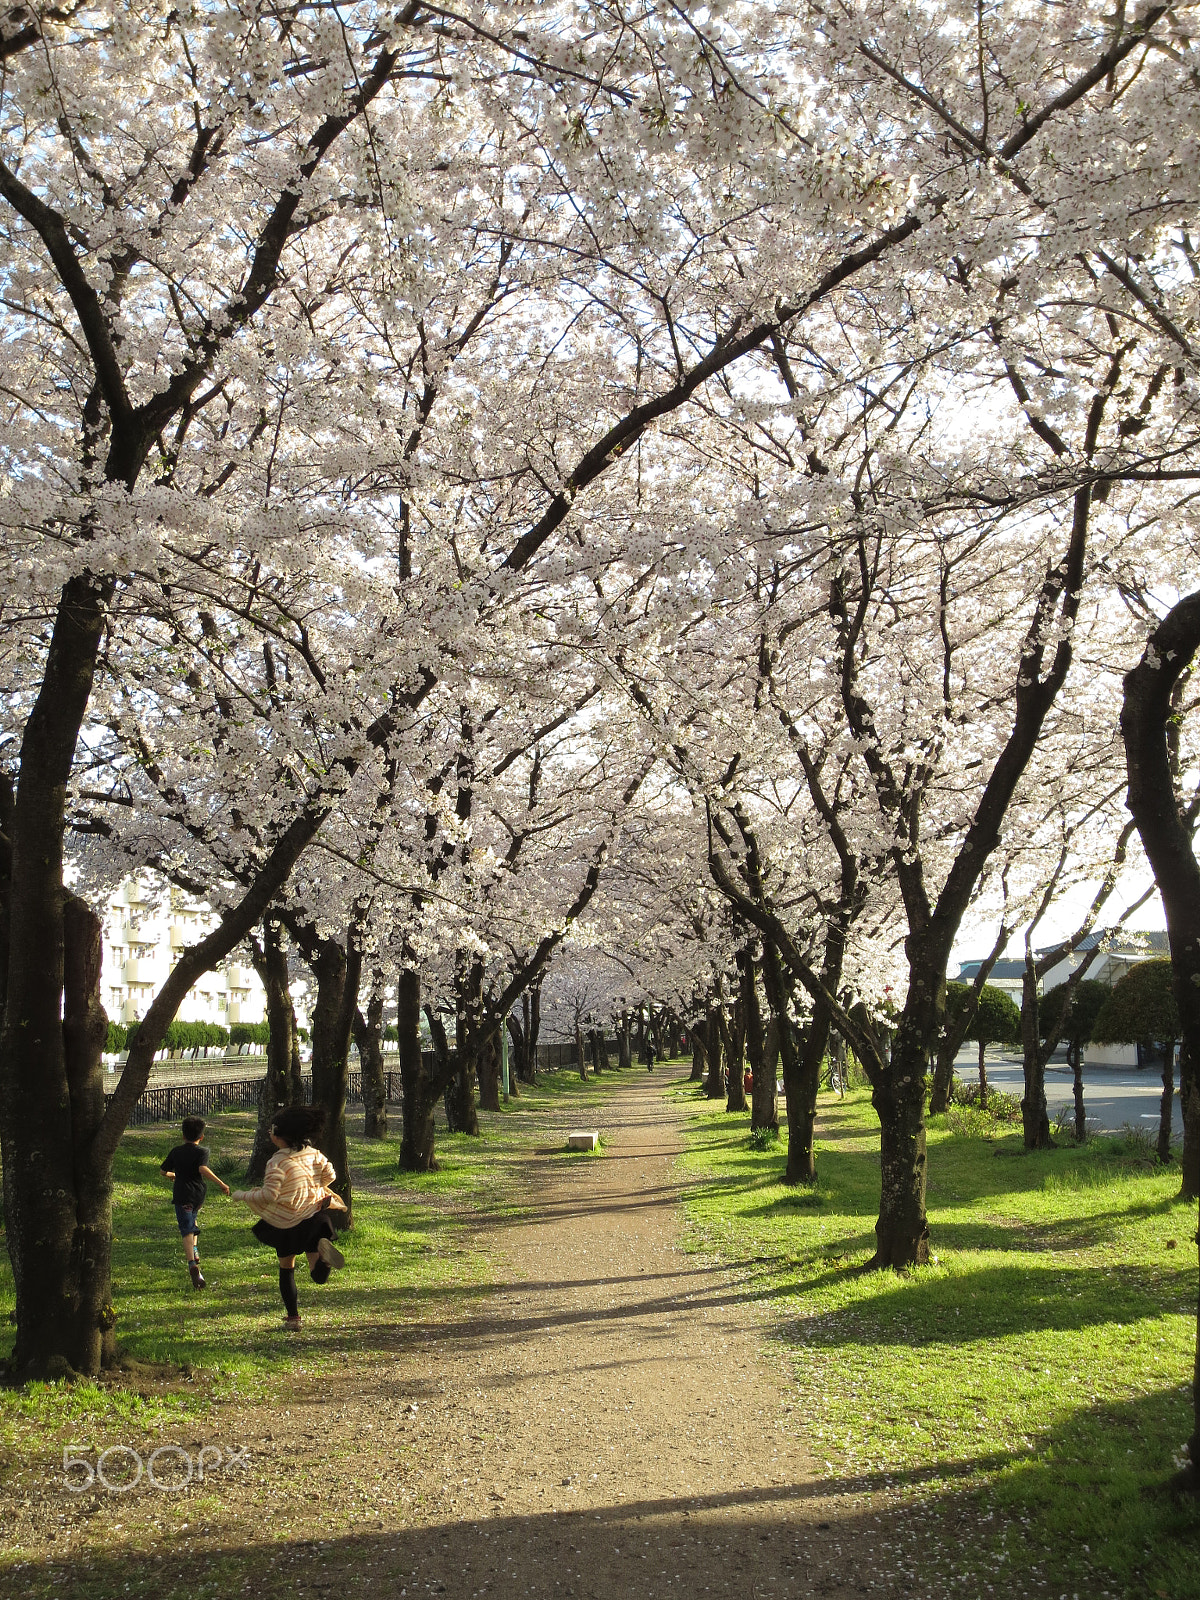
(185, 1035)
(250, 1033)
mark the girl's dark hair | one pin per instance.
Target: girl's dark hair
(299, 1125)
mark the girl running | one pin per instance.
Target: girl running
(294, 1204)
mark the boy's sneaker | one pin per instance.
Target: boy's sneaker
(330, 1254)
(198, 1279)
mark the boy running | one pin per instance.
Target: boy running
(188, 1165)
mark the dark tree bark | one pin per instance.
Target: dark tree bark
(280, 1087)
(519, 1056)
(715, 1086)
(800, 1166)
(368, 1036)
(1156, 807)
(488, 1058)
(764, 1112)
(580, 1057)
(699, 1051)
(85, 1028)
(1189, 1107)
(734, 1041)
(602, 1061)
(43, 1211)
(423, 1082)
(624, 1053)
(514, 1077)
(337, 971)
(461, 1113)
(533, 1027)
(1164, 1107)
(983, 1083)
(1077, 1088)
(1035, 1113)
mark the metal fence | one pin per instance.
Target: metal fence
(173, 1101)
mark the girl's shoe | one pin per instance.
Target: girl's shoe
(198, 1278)
(291, 1323)
(330, 1254)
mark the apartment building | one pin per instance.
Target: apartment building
(147, 923)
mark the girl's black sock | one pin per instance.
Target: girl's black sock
(287, 1289)
(320, 1273)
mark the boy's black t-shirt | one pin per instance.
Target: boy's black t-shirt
(185, 1162)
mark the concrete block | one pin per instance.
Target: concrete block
(581, 1140)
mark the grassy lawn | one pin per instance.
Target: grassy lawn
(1041, 1364)
(411, 1249)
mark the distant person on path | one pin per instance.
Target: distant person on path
(188, 1165)
(294, 1204)
(649, 1057)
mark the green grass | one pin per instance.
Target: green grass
(1041, 1363)
(411, 1251)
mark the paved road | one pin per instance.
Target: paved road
(1112, 1096)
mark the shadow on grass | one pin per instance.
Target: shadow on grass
(988, 1302)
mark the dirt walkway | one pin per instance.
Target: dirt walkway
(607, 1420)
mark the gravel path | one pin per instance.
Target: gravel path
(606, 1419)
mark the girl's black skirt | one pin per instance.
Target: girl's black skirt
(300, 1237)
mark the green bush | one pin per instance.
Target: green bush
(391, 1034)
(185, 1035)
(115, 1042)
(250, 1033)
(1000, 1107)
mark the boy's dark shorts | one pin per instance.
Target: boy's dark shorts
(186, 1218)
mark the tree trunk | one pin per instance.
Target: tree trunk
(715, 1087)
(943, 1072)
(1167, 837)
(735, 1075)
(514, 1077)
(802, 1132)
(337, 973)
(764, 1109)
(1035, 1114)
(368, 1036)
(1164, 1109)
(422, 1084)
(1077, 1086)
(1189, 1108)
(580, 1058)
(489, 1073)
(534, 1027)
(277, 1089)
(602, 1061)
(800, 1165)
(85, 1029)
(519, 1056)
(461, 1113)
(54, 1229)
(983, 1087)
(902, 1232)
(699, 1053)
